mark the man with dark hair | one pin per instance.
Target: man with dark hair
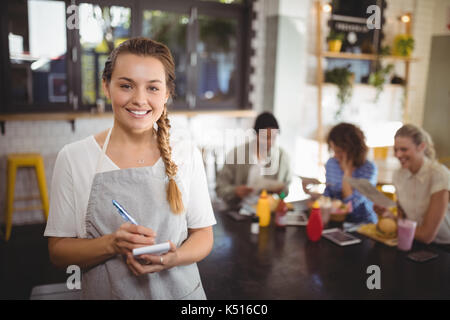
(263, 158)
(265, 120)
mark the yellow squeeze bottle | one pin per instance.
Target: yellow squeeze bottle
(263, 209)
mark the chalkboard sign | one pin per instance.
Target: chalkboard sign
(350, 18)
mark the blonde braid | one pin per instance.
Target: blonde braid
(174, 196)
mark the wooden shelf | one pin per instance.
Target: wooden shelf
(86, 115)
(346, 55)
(52, 116)
(366, 85)
(71, 117)
(320, 53)
(365, 56)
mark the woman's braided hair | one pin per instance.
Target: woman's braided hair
(146, 47)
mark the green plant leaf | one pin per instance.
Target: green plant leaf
(342, 78)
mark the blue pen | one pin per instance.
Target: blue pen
(123, 213)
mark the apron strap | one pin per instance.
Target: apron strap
(105, 145)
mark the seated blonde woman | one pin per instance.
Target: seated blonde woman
(422, 185)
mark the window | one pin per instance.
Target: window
(217, 60)
(208, 41)
(101, 30)
(37, 55)
(171, 29)
(47, 66)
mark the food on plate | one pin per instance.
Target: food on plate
(334, 206)
(273, 203)
(334, 209)
(324, 202)
(386, 228)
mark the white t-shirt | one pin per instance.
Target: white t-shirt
(414, 193)
(74, 172)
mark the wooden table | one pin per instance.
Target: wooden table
(283, 264)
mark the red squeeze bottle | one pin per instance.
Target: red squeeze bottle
(281, 211)
(314, 226)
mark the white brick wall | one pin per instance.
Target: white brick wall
(422, 32)
(441, 17)
(257, 61)
(429, 18)
(48, 137)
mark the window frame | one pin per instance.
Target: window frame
(211, 9)
(77, 45)
(12, 106)
(4, 60)
(241, 12)
(180, 8)
(240, 63)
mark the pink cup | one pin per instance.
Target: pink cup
(405, 233)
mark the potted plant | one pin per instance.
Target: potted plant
(378, 79)
(343, 78)
(385, 51)
(403, 45)
(334, 40)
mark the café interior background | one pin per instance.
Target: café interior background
(281, 79)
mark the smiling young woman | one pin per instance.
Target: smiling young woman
(161, 183)
(422, 185)
(137, 91)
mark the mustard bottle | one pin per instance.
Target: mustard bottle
(263, 209)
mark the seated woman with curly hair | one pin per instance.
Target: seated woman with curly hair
(347, 143)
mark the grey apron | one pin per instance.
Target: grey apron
(142, 193)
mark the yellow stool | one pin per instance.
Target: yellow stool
(14, 162)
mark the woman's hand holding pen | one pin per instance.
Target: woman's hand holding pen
(150, 263)
(130, 236)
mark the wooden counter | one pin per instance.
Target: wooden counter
(87, 115)
(282, 264)
(72, 116)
